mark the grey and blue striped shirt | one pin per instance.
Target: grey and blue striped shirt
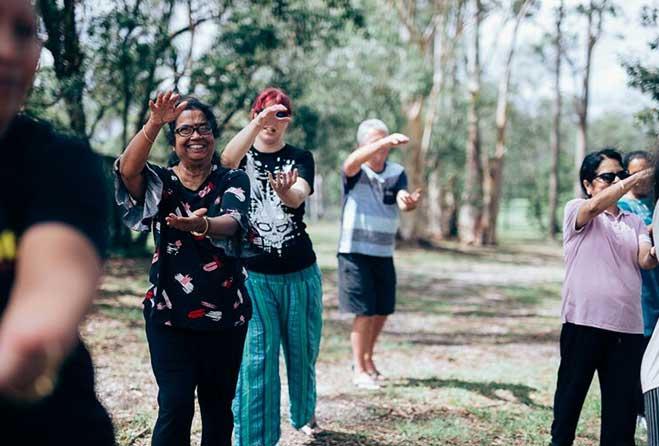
(370, 215)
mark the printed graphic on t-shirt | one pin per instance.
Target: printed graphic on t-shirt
(274, 226)
(7, 247)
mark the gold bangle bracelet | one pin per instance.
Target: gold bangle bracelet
(205, 231)
(151, 141)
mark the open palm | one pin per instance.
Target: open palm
(165, 109)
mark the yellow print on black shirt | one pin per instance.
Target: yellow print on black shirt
(7, 246)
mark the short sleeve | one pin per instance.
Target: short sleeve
(570, 218)
(234, 201)
(643, 234)
(139, 215)
(306, 168)
(401, 184)
(350, 182)
(69, 187)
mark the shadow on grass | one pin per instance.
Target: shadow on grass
(487, 389)
(334, 438)
(471, 338)
(506, 254)
(435, 297)
(341, 328)
(131, 316)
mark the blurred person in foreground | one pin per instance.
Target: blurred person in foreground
(605, 248)
(52, 238)
(374, 193)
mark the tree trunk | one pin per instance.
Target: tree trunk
(556, 127)
(64, 45)
(493, 180)
(583, 101)
(411, 222)
(316, 201)
(472, 203)
(434, 198)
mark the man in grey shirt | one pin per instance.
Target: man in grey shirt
(374, 194)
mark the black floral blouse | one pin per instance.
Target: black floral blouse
(196, 282)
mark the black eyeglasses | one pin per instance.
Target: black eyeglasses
(188, 130)
(610, 177)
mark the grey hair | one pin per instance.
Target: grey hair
(366, 126)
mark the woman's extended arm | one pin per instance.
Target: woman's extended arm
(603, 200)
(134, 158)
(240, 144)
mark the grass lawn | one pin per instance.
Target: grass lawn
(471, 352)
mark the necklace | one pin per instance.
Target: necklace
(193, 183)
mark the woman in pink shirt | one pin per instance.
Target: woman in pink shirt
(604, 247)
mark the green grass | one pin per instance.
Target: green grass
(472, 352)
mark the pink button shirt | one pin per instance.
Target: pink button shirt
(602, 286)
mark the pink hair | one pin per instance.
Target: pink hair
(271, 96)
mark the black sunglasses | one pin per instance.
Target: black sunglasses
(610, 177)
(188, 130)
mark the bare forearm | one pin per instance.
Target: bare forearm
(293, 198)
(134, 159)
(136, 154)
(645, 258)
(361, 155)
(222, 226)
(56, 280)
(239, 145)
(605, 199)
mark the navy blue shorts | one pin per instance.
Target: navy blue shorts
(367, 285)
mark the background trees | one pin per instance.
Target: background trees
(460, 76)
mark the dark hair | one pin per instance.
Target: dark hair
(194, 104)
(636, 155)
(592, 162)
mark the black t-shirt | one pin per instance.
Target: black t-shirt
(281, 238)
(46, 177)
(196, 283)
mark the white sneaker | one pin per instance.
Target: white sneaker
(363, 380)
(311, 428)
(641, 423)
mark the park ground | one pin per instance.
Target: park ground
(471, 352)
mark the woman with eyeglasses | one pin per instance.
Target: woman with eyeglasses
(284, 280)
(196, 307)
(604, 249)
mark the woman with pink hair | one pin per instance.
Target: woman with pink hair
(284, 280)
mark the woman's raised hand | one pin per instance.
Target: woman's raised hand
(164, 108)
(268, 115)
